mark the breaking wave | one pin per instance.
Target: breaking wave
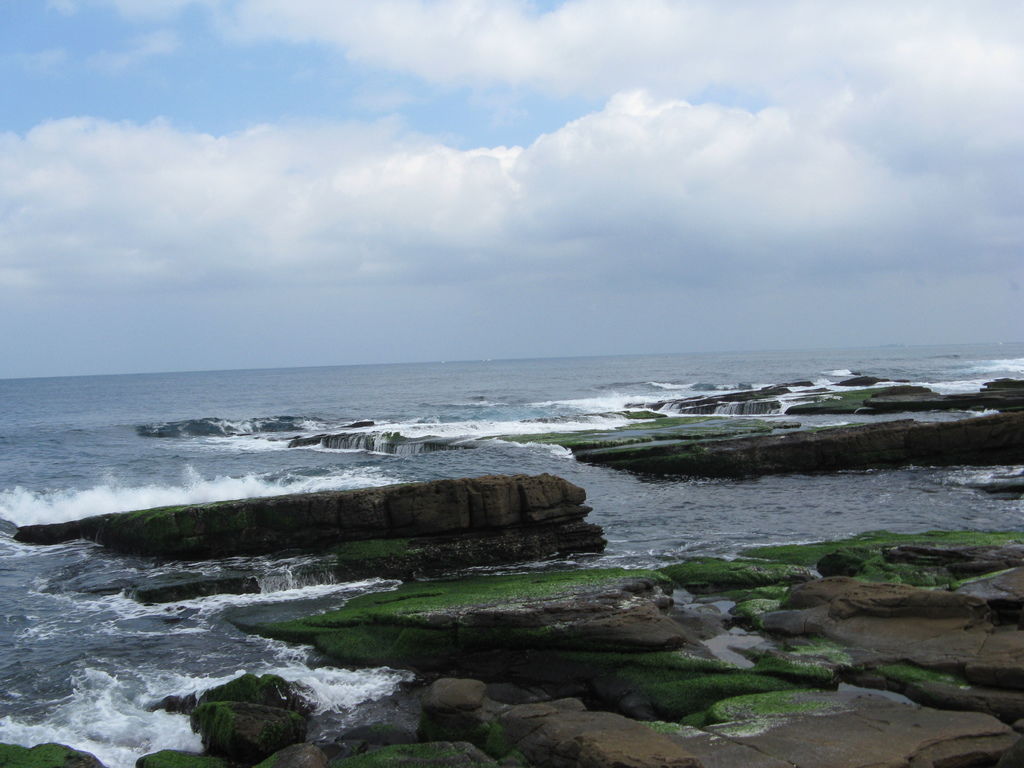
(26, 507)
(215, 427)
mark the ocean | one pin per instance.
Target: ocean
(82, 664)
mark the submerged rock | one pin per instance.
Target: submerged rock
(317, 521)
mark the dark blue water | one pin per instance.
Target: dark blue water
(80, 662)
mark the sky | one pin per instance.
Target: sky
(212, 184)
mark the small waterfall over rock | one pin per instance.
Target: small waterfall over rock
(381, 442)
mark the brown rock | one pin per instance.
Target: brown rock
(851, 731)
(297, 756)
(557, 735)
(317, 521)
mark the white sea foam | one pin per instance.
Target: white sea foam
(957, 387)
(108, 714)
(476, 430)
(1006, 367)
(839, 372)
(557, 451)
(242, 443)
(25, 507)
(669, 385)
(613, 401)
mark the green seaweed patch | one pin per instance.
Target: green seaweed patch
(43, 756)
(804, 672)
(411, 602)
(848, 401)
(769, 705)
(170, 758)
(488, 736)
(708, 574)
(772, 592)
(641, 415)
(421, 755)
(655, 428)
(373, 549)
(679, 684)
(418, 623)
(910, 674)
(751, 612)
(810, 554)
(821, 648)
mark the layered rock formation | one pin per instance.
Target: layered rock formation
(987, 440)
(538, 516)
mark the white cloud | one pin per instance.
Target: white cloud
(644, 190)
(45, 62)
(159, 43)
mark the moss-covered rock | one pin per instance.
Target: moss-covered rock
(296, 756)
(749, 612)
(766, 705)
(268, 690)
(445, 754)
(46, 756)
(872, 556)
(709, 574)
(678, 684)
(983, 441)
(246, 732)
(429, 624)
(170, 758)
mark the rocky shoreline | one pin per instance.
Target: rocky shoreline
(757, 661)
(883, 649)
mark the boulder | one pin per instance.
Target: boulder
(46, 756)
(171, 758)
(318, 521)
(564, 735)
(554, 734)
(267, 690)
(436, 754)
(296, 756)
(246, 732)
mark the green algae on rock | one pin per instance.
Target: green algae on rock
(46, 756)
(500, 519)
(710, 574)
(443, 754)
(246, 732)
(169, 758)
(268, 690)
(430, 623)
(880, 555)
(985, 440)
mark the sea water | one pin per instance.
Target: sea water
(82, 664)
